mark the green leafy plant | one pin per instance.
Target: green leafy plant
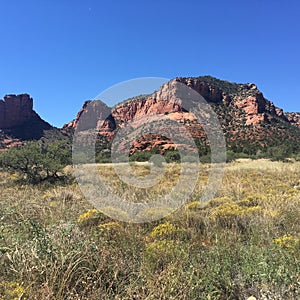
(37, 161)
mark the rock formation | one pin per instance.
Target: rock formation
(293, 118)
(247, 118)
(246, 97)
(15, 110)
(18, 120)
(245, 115)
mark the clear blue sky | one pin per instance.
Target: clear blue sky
(63, 52)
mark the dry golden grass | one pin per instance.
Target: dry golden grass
(244, 242)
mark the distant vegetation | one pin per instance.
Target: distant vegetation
(276, 153)
(44, 161)
(133, 99)
(228, 87)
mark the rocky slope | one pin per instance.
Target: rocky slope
(248, 119)
(293, 118)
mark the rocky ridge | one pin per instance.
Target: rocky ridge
(247, 118)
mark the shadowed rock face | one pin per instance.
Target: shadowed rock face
(19, 120)
(15, 110)
(91, 113)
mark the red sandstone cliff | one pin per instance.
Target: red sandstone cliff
(241, 108)
(248, 99)
(18, 120)
(15, 110)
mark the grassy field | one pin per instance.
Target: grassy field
(244, 242)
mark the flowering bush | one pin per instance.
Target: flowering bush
(110, 228)
(219, 201)
(287, 242)
(89, 218)
(12, 291)
(232, 209)
(232, 214)
(159, 254)
(164, 230)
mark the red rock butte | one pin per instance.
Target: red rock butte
(15, 110)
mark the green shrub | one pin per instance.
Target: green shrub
(37, 161)
(172, 156)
